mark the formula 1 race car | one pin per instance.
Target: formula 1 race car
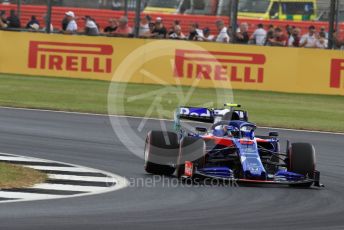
(229, 151)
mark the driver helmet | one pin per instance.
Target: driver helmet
(229, 129)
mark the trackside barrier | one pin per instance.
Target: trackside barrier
(173, 62)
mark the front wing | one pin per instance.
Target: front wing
(241, 181)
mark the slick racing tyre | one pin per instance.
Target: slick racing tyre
(161, 152)
(302, 159)
(191, 149)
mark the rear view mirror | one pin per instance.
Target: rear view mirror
(273, 134)
(201, 129)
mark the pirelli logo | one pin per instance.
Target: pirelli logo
(61, 56)
(220, 66)
(337, 73)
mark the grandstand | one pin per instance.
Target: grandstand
(102, 15)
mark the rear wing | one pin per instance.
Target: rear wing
(193, 114)
(196, 114)
(207, 115)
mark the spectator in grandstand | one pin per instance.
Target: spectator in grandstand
(338, 41)
(64, 23)
(230, 31)
(207, 37)
(289, 30)
(178, 34)
(323, 29)
(192, 36)
(13, 20)
(159, 30)
(175, 23)
(3, 21)
(33, 23)
(269, 34)
(194, 32)
(279, 38)
(308, 40)
(151, 28)
(144, 25)
(294, 39)
(241, 35)
(72, 26)
(322, 41)
(223, 36)
(123, 30)
(112, 27)
(91, 27)
(259, 35)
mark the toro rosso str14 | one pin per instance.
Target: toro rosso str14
(228, 151)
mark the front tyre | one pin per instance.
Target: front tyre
(302, 160)
(161, 152)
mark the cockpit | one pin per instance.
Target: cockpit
(234, 129)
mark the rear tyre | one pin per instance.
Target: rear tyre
(191, 149)
(302, 160)
(161, 152)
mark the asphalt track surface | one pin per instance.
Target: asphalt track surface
(90, 141)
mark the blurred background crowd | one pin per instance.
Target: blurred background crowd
(285, 23)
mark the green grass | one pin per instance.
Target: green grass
(12, 176)
(316, 112)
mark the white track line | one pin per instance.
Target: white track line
(65, 187)
(26, 196)
(22, 159)
(156, 119)
(300, 130)
(63, 169)
(81, 178)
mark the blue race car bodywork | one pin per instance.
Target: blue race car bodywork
(253, 153)
(231, 151)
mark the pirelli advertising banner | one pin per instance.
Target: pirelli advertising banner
(171, 62)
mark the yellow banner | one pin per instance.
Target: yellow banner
(174, 63)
